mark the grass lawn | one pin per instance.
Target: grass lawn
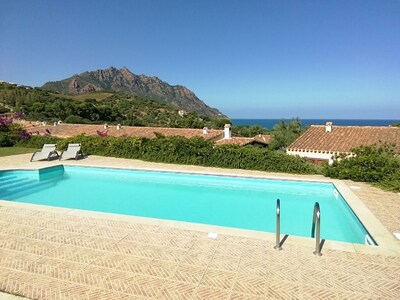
(7, 151)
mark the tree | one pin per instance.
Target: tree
(283, 134)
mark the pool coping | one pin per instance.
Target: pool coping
(387, 244)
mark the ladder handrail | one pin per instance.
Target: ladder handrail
(316, 228)
(278, 225)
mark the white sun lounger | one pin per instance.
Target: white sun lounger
(73, 151)
(47, 152)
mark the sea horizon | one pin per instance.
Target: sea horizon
(270, 123)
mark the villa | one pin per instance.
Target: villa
(221, 137)
(320, 143)
(68, 130)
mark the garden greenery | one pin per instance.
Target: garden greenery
(180, 150)
(10, 132)
(376, 164)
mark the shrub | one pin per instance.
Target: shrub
(37, 141)
(180, 150)
(10, 132)
(376, 164)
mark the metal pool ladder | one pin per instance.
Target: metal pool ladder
(278, 225)
(316, 226)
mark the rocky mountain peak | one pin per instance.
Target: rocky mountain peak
(123, 80)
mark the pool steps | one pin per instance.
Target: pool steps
(9, 185)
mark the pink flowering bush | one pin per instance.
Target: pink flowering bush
(10, 132)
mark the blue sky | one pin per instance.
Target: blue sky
(250, 59)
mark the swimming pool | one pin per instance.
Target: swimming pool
(246, 203)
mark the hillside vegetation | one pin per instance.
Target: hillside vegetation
(96, 107)
(123, 80)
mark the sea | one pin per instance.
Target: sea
(270, 123)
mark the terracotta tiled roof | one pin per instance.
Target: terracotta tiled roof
(242, 141)
(263, 138)
(344, 138)
(68, 130)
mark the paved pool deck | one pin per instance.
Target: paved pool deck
(58, 253)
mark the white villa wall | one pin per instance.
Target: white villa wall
(313, 154)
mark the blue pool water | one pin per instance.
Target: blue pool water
(245, 203)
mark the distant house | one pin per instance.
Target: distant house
(320, 143)
(220, 137)
(261, 139)
(68, 130)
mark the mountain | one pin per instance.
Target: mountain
(123, 80)
(97, 108)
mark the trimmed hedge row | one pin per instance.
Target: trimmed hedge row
(377, 164)
(180, 150)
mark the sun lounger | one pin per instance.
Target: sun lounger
(47, 152)
(73, 151)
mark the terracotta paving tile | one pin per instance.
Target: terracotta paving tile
(253, 253)
(284, 257)
(143, 286)
(227, 249)
(226, 263)
(72, 227)
(211, 293)
(161, 269)
(91, 275)
(253, 266)
(250, 284)
(149, 251)
(239, 296)
(349, 283)
(184, 243)
(109, 260)
(380, 287)
(16, 260)
(189, 273)
(218, 279)
(318, 293)
(105, 232)
(127, 247)
(283, 290)
(74, 291)
(149, 238)
(18, 230)
(75, 254)
(177, 290)
(28, 245)
(316, 277)
(353, 296)
(198, 258)
(392, 260)
(171, 254)
(118, 281)
(343, 266)
(178, 232)
(56, 236)
(43, 266)
(5, 272)
(135, 264)
(100, 294)
(204, 245)
(284, 273)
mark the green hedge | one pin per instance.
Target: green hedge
(180, 150)
(377, 164)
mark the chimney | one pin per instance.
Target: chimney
(205, 130)
(227, 132)
(328, 127)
